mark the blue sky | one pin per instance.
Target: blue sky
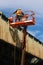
(9, 6)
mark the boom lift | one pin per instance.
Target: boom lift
(25, 21)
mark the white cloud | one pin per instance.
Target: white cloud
(37, 34)
(41, 36)
(23, 3)
(6, 3)
(34, 33)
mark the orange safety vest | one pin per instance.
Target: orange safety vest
(18, 12)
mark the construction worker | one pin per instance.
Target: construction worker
(19, 14)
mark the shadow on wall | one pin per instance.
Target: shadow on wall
(11, 55)
(15, 37)
(6, 53)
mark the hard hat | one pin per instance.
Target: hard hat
(19, 9)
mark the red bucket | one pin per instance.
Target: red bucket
(10, 19)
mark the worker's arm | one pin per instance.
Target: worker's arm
(14, 12)
(22, 13)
